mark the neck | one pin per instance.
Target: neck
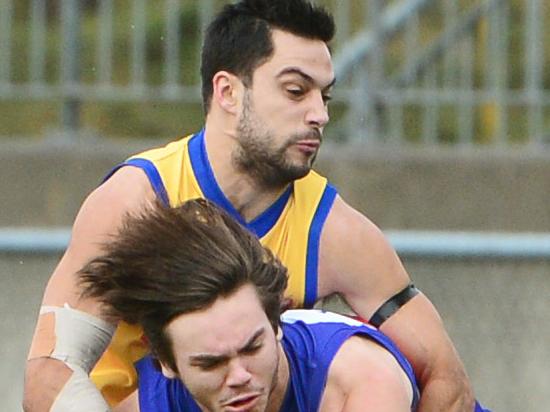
(248, 196)
(283, 377)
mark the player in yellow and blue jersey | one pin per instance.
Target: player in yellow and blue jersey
(267, 79)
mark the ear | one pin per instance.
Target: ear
(227, 91)
(280, 332)
(167, 371)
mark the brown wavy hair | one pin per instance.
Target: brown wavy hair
(166, 262)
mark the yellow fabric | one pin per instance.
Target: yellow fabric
(288, 238)
(114, 374)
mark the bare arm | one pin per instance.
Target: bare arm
(365, 377)
(128, 190)
(357, 261)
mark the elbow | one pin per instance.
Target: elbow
(44, 379)
(28, 403)
(31, 387)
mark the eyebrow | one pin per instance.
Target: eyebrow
(303, 75)
(210, 358)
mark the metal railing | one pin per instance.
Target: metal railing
(425, 71)
(408, 243)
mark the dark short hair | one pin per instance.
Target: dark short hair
(166, 262)
(239, 39)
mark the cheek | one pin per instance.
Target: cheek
(277, 110)
(203, 386)
(265, 363)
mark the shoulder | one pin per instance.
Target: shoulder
(372, 360)
(345, 222)
(127, 191)
(166, 151)
(316, 316)
(357, 261)
(325, 332)
(364, 375)
(348, 234)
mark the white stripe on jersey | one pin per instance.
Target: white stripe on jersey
(313, 316)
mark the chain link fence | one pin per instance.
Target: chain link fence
(463, 72)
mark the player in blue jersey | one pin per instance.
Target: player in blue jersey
(209, 296)
(327, 362)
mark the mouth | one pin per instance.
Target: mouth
(242, 403)
(309, 146)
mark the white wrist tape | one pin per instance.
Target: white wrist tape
(79, 395)
(80, 338)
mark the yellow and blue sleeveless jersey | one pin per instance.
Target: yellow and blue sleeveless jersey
(291, 228)
(310, 341)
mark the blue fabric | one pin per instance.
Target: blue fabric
(311, 339)
(479, 408)
(152, 174)
(158, 393)
(314, 240)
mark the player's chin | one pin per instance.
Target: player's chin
(302, 162)
(300, 171)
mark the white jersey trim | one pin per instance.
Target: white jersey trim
(316, 316)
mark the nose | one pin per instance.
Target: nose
(317, 115)
(238, 374)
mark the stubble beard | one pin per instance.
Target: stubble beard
(274, 380)
(257, 154)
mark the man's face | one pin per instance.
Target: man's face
(227, 355)
(285, 111)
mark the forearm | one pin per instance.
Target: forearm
(66, 345)
(357, 261)
(44, 379)
(419, 333)
(444, 384)
(57, 388)
(446, 395)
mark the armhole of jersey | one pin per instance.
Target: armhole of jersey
(332, 345)
(314, 237)
(384, 341)
(152, 174)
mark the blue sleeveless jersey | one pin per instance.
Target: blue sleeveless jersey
(311, 339)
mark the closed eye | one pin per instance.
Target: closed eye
(209, 365)
(295, 92)
(327, 98)
(251, 350)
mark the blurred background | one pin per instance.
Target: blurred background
(440, 133)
